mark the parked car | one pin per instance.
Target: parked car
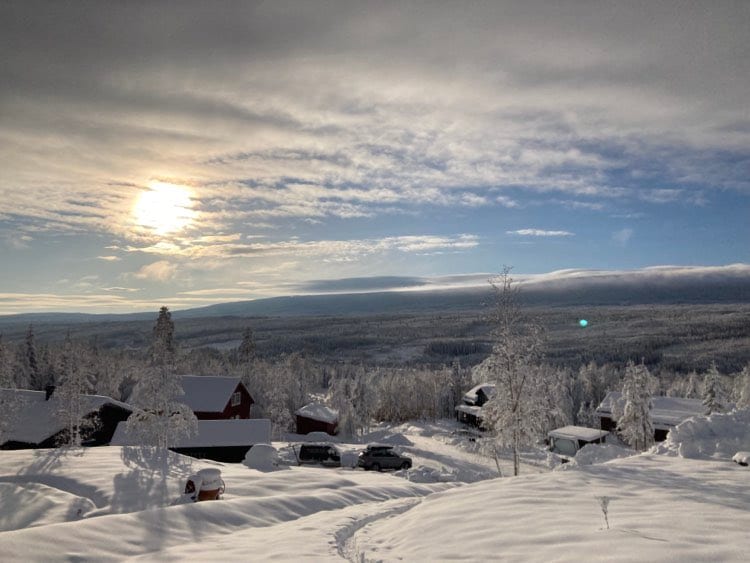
(377, 457)
(319, 454)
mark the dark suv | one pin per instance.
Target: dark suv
(319, 454)
(380, 456)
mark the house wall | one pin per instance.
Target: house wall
(239, 411)
(306, 425)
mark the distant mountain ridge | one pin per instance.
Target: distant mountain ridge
(657, 286)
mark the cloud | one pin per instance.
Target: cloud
(157, 271)
(623, 236)
(420, 123)
(109, 258)
(540, 233)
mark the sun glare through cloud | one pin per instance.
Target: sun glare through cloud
(164, 208)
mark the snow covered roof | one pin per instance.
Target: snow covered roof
(36, 418)
(666, 411)
(212, 433)
(471, 395)
(207, 393)
(578, 433)
(318, 411)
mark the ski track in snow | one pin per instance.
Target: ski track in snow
(346, 537)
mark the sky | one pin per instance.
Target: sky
(188, 153)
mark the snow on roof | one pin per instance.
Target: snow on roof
(207, 393)
(666, 411)
(318, 411)
(578, 433)
(470, 409)
(472, 394)
(36, 418)
(211, 433)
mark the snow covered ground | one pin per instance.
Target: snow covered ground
(115, 503)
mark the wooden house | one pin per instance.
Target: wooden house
(35, 422)
(666, 412)
(316, 417)
(220, 440)
(216, 398)
(470, 409)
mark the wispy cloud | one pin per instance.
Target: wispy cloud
(540, 233)
(623, 236)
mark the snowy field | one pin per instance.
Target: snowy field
(676, 503)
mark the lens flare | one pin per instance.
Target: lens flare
(583, 323)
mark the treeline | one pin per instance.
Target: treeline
(361, 393)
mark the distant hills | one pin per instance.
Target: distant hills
(650, 286)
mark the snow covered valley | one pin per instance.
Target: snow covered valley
(113, 503)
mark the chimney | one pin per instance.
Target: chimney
(48, 392)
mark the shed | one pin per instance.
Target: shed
(220, 440)
(216, 397)
(666, 412)
(316, 417)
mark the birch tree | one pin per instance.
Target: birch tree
(515, 413)
(69, 394)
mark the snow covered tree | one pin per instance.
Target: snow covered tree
(247, 349)
(161, 420)
(69, 394)
(743, 388)
(340, 398)
(515, 413)
(713, 398)
(30, 372)
(278, 412)
(7, 380)
(634, 425)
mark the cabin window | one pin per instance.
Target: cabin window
(236, 398)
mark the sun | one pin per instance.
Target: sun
(164, 208)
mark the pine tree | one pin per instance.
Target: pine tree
(246, 351)
(712, 392)
(161, 420)
(635, 425)
(30, 364)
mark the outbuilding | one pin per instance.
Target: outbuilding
(316, 417)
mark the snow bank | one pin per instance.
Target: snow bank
(717, 436)
(388, 437)
(262, 457)
(592, 454)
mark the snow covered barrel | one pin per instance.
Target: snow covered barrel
(207, 484)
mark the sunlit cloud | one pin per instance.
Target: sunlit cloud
(161, 271)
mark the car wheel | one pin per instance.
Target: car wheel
(405, 465)
(375, 467)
